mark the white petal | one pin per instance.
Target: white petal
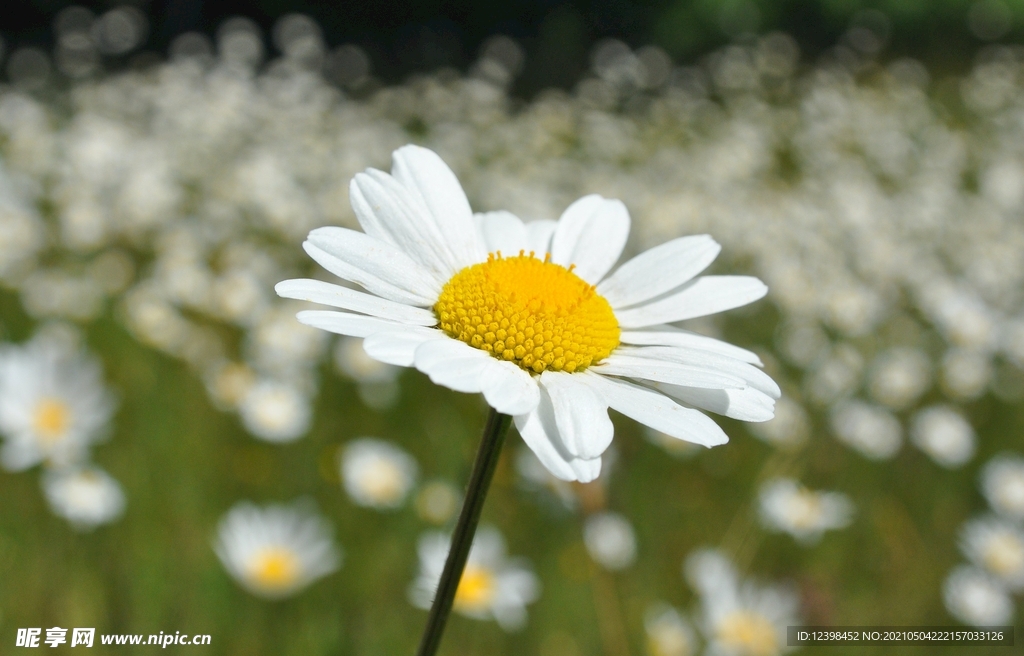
(508, 389)
(701, 297)
(659, 270)
(398, 347)
(666, 372)
(580, 414)
(672, 336)
(591, 234)
(750, 374)
(318, 291)
(390, 213)
(426, 174)
(538, 236)
(451, 363)
(379, 267)
(746, 404)
(540, 433)
(345, 323)
(502, 231)
(657, 410)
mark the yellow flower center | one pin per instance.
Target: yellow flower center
(532, 312)
(1004, 555)
(476, 589)
(275, 569)
(749, 633)
(51, 420)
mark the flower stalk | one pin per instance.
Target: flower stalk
(462, 539)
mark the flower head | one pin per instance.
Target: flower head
(377, 474)
(610, 540)
(805, 514)
(528, 315)
(1002, 482)
(974, 597)
(492, 586)
(274, 552)
(53, 404)
(86, 497)
(739, 618)
(997, 546)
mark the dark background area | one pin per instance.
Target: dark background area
(403, 38)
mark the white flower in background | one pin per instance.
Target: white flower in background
(86, 497)
(493, 586)
(275, 551)
(996, 546)
(899, 376)
(739, 618)
(377, 474)
(965, 373)
(526, 315)
(610, 540)
(943, 433)
(53, 404)
(668, 632)
(1002, 483)
(275, 412)
(377, 382)
(975, 598)
(438, 501)
(788, 429)
(228, 383)
(788, 507)
(870, 430)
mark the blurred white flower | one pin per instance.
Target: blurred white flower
(943, 433)
(377, 474)
(377, 382)
(975, 598)
(277, 550)
(870, 430)
(789, 507)
(86, 497)
(668, 632)
(493, 586)
(437, 502)
(1002, 483)
(739, 618)
(996, 546)
(275, 411)
(53, 404)
(610, 540)
(899, 376)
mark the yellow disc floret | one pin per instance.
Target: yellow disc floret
(532, 312)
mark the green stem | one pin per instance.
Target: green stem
(462, 539)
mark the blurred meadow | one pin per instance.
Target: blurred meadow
(149, 204)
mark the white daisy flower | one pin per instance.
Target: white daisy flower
(492, 586)
(1002, 483)
(668, 632)
(437, 502)
(275, 551)
(996, 546)
(53, 404)
(739, 618)
(377, 474)
(527, 315)
(974, 597)
(943, 434)
(86, 497)
(872, 431)
(789, 507)
(610, 540)
(275, 412)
